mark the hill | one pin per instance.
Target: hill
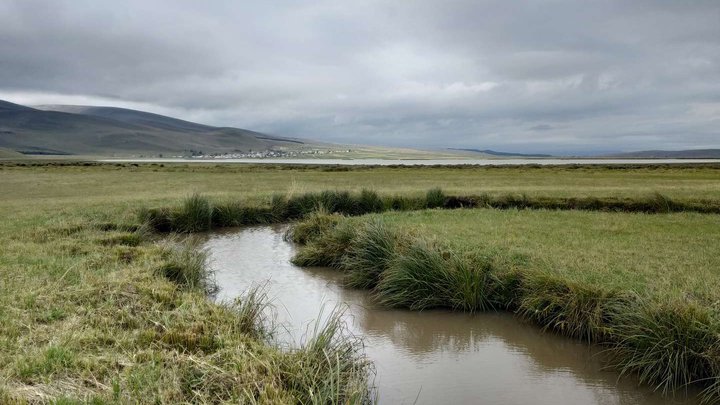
(492, 153)
(108, 130)
(671, 154)
(9, 154)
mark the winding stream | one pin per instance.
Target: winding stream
(426, 357)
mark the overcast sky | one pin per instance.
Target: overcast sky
(525, 76)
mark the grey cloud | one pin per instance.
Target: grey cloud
(558, 76)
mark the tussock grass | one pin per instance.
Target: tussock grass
(435, 198)
(668, 345)
(197, 213)
(252, 313)
(315, 225)
(186, 265)
(82, 302)
(655, 203)
(330, 367)
(427, 276)
(369, 201)
(89, 327)
(368, 255)
(327, 250)
(570, 308)
(416, 279)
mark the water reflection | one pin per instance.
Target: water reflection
(434, 356)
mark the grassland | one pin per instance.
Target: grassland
(646, 285)
(669, 256)
(95, 306)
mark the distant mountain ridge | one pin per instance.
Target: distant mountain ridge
(669, 154)
(502, 154)
(65, 129)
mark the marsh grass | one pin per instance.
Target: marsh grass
(369, 201)
(195, 214)
(198, 213)
(143, 330)
(435, 198)
(86, 318)
(316, 224)
(253, 311)
(330, 367)
(368, 255)
(670, 346)
(655, 203)
(186, 266)
(572, 309)
(416, 279)
(327, 250)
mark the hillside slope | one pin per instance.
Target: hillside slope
(109, 130)
(672, 154)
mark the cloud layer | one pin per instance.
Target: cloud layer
(554, 76)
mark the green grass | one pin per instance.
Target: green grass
(54, 187)
(667, 256)
(93, 310)
(644, 284)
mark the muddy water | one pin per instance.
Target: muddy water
(428, 357)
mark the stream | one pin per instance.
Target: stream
(426, 357)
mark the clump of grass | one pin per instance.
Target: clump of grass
(301, 205)
(159, 219)
(338, 202)
(572, 309)
(279, 208)
(425, 276)
(328, 249)
(403, 203)
(415, 279)
(186, 266)
(312, 227)
(369, 202)
(435, 198)
(56, 359)
(369, 254)
(229, 214)
(195, 215)
(472, 282)
(668, 345)
(251, 311)
(330, 367)
(134, 238)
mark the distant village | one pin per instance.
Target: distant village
(269, 153)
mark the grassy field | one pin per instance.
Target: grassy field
(646, 285)
(58, 186)
(95, 307)
(668, 256)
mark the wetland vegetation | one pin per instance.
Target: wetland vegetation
(98, 306)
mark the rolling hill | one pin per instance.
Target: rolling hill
(671, 154)
(496, 154)
(86, 130)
